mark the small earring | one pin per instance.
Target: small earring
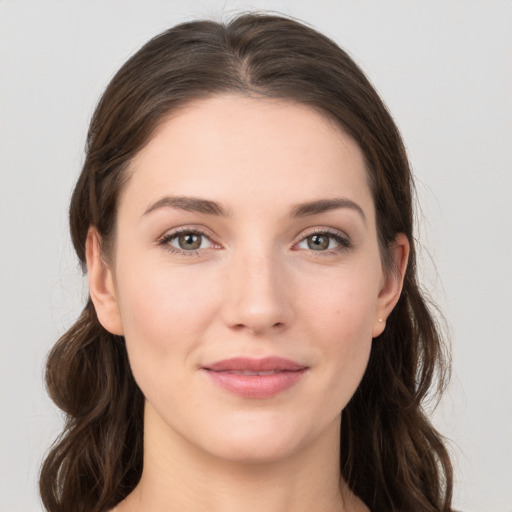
(380, 319)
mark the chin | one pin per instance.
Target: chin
(257, 441)
(255, 451)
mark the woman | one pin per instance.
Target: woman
(255, 335)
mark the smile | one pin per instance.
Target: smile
(247, 372)
(255, 378)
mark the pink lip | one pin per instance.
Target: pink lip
(231, 375)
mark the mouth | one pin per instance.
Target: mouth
(255, 378)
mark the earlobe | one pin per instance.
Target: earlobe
(101, 285)
(392, 283)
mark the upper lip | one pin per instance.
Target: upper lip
(255, 365)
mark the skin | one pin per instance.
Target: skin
(258, 286)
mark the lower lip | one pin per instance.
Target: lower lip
(256, 386)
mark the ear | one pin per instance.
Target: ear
(392, 283)
(101, 285)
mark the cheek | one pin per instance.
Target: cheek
(345, 326)
(343, 305)
(164, 313)
(163, 300)
(340, 317)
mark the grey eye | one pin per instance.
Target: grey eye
(323, 241)
(318, 242)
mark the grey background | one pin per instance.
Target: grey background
(443, 68)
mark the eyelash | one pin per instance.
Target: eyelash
(344, 242)
(166, 240)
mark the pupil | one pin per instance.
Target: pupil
(318, 242)
(190, 241)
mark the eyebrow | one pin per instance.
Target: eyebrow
(325, 205)
(199, 205)
(189, 204)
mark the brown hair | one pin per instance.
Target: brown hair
(391, 456)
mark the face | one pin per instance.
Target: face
(246, 276)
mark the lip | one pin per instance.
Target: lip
(255, 378)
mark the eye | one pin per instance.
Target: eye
(324, 241)
(186, 241)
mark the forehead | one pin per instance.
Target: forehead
(241, 150)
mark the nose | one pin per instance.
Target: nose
(257, 294)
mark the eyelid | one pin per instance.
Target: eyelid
(188, 228)
(344, 240)
(163, 241)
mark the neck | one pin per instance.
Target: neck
(179, 476)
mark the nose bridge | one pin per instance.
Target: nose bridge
(256, 295)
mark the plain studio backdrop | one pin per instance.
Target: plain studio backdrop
(445, 71)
